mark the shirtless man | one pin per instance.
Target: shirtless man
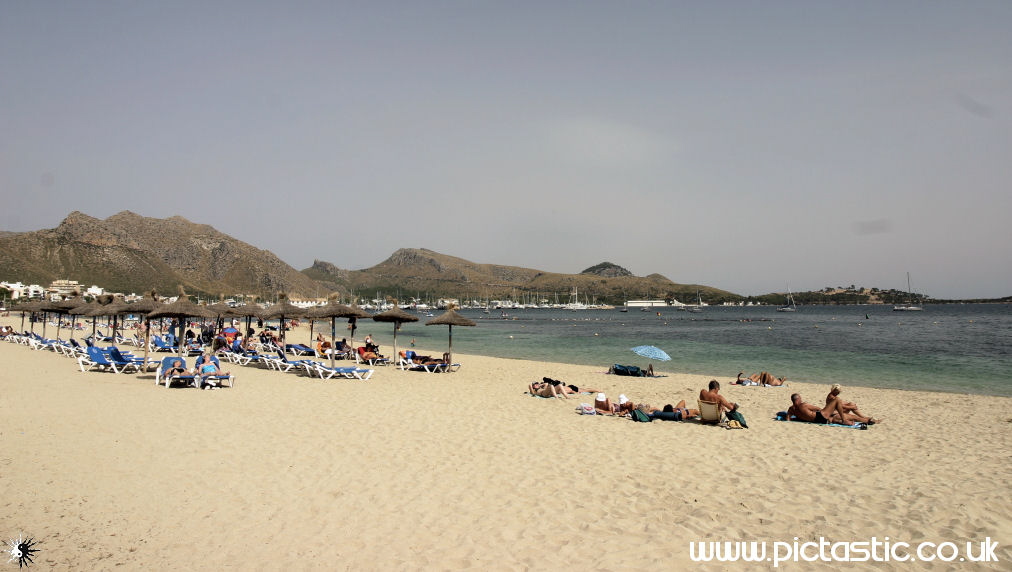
(833, 412)
(712, 394)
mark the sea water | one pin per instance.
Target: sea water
(960, 348)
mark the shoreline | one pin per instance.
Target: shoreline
(466, 471)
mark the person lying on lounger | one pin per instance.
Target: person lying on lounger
(207, 369)
(833, 412)
(176, 369)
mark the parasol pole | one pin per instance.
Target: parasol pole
(333, 340)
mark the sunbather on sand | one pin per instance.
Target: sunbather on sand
(848, 406)
(712, 394)
(569, 389)
(543, 389)
(761, 378)
(833, 412)
(677, 412)
(604, 406)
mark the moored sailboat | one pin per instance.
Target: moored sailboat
(909, 306)
(790, 306)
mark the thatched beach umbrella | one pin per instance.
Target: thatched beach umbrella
(450, 318)
(283, 309)
(181, 309)
(221, 311)
(333, 310)
(248, 311)
(107, 306)
(398, 317)
(64, 307)
(31, 307)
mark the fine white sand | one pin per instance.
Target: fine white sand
(465, 471)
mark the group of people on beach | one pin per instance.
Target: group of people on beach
(205, 372)
(836, 410)
(763, 378)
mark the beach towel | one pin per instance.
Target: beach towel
(782, 416)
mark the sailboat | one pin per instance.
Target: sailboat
(789, 306)
(698, 307)
(909, 306)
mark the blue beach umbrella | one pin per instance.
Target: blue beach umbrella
(651, 352)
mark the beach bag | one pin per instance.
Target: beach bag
(586, 409)
(640, 416)
(736, 416)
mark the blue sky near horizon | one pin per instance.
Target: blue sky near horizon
(743, 145)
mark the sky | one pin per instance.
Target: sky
(746, 145)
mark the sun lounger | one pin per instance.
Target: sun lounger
(160, 345)
(300, 350)
(96, 358)
(187, 378)
(350, 372)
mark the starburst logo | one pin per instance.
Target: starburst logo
(22, 550)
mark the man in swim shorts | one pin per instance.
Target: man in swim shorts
(833, 412)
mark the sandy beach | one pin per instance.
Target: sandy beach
(466, 471)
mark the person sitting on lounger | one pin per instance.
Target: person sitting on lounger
(322, 345)
(848, 406)
(712, 394)
(833, 412)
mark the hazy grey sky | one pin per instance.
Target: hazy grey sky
(743, 145)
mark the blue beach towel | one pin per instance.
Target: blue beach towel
(782, 416)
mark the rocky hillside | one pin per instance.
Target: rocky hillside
(130, 253)
(418, 271)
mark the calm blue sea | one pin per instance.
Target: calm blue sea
(962, 348)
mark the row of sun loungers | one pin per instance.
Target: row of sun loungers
(112, 359)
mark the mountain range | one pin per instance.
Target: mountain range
(127, 252)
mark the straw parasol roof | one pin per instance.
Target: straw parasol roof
(222, 310)
(67, 304)
(450, 318)
(181, 308)
(333, 310)
(398, 317)
(283, 309)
